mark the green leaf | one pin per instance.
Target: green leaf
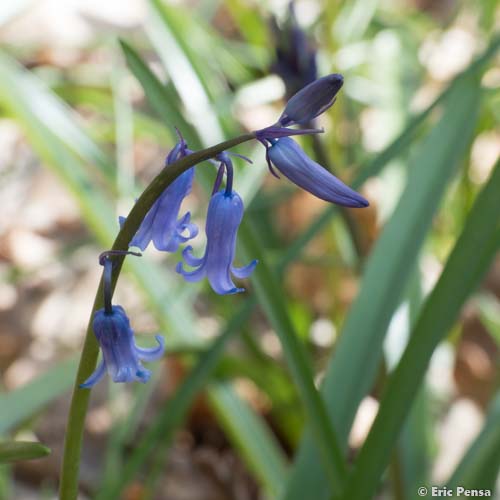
(358, 352)
(480, 465)
(467, 264)
(162, 97)
(30, 398)
(40, 105)
(18, 451)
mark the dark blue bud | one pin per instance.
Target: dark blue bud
(312, 100)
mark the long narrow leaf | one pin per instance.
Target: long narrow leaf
(358, 353)
(24, 402)
(480, 465)
(467, 264)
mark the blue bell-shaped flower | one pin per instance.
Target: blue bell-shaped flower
(161, 224)
(225, 212)
(121, 356)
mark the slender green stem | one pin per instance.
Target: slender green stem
(80, 398)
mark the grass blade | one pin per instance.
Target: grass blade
(468, 262)
(480, 465)
(30, 398)
(261, 458)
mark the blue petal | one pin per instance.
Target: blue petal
(165, 225)
(143, 235)
(245, 271)
(312, 100)
(190, 259)
(152, 353)
(191, 276)
(292, 162)
(96, 376)
(184, 225)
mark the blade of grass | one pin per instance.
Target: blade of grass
(30, 398)
(257, 453)
(18, 451)
(163, 97)
(479, 467)
(358, 352)
(467, 264)
(45, 107)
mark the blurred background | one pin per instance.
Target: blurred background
(86, 122)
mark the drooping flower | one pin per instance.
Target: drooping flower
(161, 224)
(225, 212)
(312, 100)
(289, 158)
(121, 357)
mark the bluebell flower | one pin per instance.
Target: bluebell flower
(289, 158)
(225, 212)
(161, 224)
(312, 100)
(121, 357)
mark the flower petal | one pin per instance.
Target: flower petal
(151, 353)
(190, 259)
(191, 276)
(245, 271)
(96, 376)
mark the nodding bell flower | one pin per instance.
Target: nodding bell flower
(289, 158)
(121, 357)
(160, 225)
(225, 212)
(312, 100)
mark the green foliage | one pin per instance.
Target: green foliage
(200, 73)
